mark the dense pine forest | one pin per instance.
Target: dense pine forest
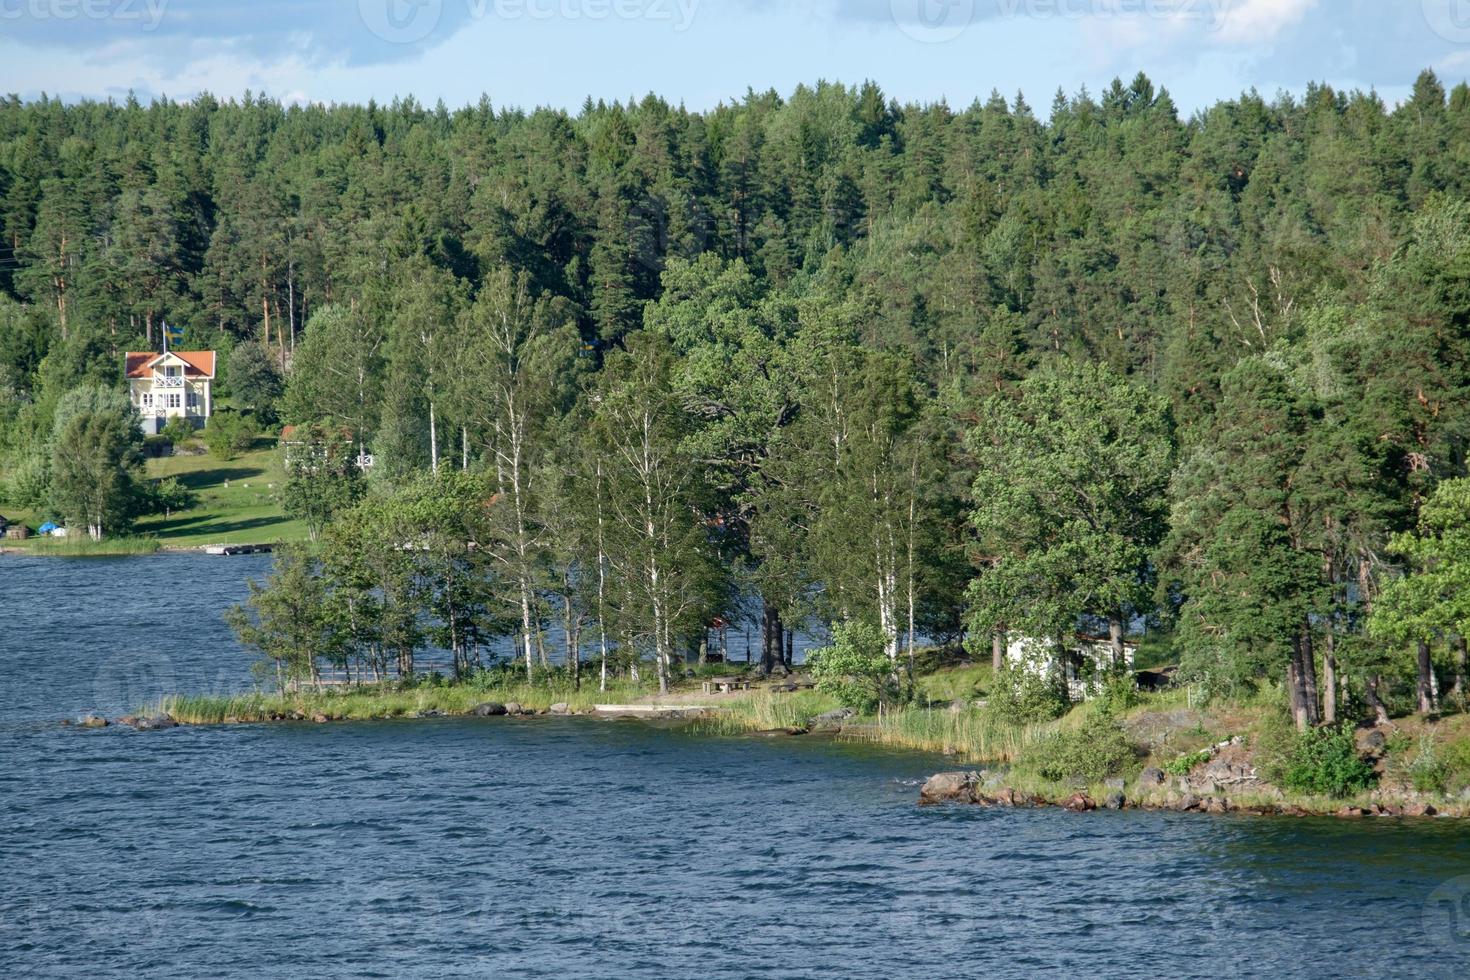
(927, 374)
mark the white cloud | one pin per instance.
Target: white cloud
(1259, 21)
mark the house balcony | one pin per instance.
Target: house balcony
(167, 381)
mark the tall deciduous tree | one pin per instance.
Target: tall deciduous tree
(514, 378)
(337, 374)
(657, 529)
(1432, 601)
(1069, 502)
(290, 620)
(97, 460)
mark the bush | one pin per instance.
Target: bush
(855, 668)
(1428, 772)
(30, 482)
(1118, 691)
(1096, 750)
(1020, 695)
(178, 431)
(228, 434)
(167, 496)
(1181, 765)
(1323, 761)
(1456, 758)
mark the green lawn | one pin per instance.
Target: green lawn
(237, 503)
(238, 500)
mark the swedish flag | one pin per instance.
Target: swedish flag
(172, 335)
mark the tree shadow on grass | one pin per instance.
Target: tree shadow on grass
(208, 524)
(208, 479)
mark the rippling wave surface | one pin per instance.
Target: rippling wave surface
(570, 847)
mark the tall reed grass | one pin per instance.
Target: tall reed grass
(84, 547)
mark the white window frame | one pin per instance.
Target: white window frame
(174, 400)
(147, 399)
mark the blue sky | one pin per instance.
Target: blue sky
(701, 52)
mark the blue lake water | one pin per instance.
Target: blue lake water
(571, 847)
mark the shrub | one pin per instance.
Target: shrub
(1183, 764)
(1323, 761)
(167, 496)
(1118, 691)
(855, 668)
(30, 482)
(228, 434)
(1020, 695)
(178, 431)
(1096, 750)
(1456, 758)
(1428, 772)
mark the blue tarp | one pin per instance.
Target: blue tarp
(46, 528)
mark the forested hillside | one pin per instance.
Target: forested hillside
(810, 359)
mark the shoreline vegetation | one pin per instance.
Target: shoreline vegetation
(1228, 757)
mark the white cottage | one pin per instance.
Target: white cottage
(174, 384)
(1081, 660)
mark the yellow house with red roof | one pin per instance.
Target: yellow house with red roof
(172, 385)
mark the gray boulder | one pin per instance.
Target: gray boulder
(513, 708)
(487, 709)
(93, 721)
(561, 708)
(1115, 801)
(152, 723)
(831, 719)
(1152, 776)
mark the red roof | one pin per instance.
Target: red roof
(198, 363)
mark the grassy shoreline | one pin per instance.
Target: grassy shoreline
(989, 753)
(83, 547)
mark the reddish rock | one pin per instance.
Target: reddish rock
(1005, 797)
(1079, 802)
(949, 787)
(1420, 810)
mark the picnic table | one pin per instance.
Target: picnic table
(724, 685)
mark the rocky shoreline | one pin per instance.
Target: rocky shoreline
(1154, 790)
